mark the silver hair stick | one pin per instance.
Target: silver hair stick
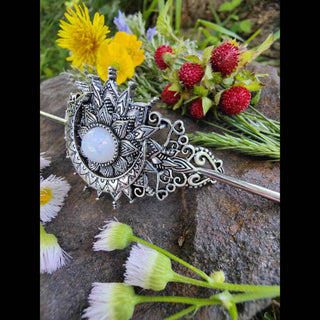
(119, 146)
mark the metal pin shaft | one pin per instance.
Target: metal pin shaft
(253, 188)
(51, 116)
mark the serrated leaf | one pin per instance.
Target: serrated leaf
(169, 58)
(174, 87)
(206, 55)
(206, 104)
(177, 104)
(163, 24)
(228, 82)
(245, 57)
(200, 90)
(217, 77)
(266, 44)
(248, 56)
(250, 85)
(193, 58)
(218, 96)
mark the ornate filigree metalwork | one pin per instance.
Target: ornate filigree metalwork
(152, 155)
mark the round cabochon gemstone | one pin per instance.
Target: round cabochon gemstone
(99, 145)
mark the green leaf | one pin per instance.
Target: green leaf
(206, 55)
(169, 58)
(228, 6)
(177, 104)
(218, 28)
(163, 24)
(245, 25)
(193, 58)
(228, 81)
(206, 104)
(265, 45)
(250, 85)
(245, 57)
(255, 99)
(174, 87)
(200, 90)
(218, 96)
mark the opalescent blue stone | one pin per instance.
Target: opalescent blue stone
(98, 145)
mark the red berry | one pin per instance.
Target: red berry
(170, 97)
(224, 58)
(196, 109)
(158, 56)
(234, 100)
(190, 73)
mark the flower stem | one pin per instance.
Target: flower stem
(215, 299)
(183, 313)
(226, 286)
(178, 299)
(173, 257)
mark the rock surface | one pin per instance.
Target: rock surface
(216, 227)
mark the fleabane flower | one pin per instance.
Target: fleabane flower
(53, 190)
(110, 301)
(44, 161)
(112, 54)
(52, 257)
(114, 235)
(147, 268)
(81, 36)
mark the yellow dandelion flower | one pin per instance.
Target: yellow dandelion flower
(131, 45)
(112, 54)
(81, 36)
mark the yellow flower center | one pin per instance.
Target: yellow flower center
(45, 196)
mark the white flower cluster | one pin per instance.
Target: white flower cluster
(53, 190)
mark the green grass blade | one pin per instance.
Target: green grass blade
(218, 28)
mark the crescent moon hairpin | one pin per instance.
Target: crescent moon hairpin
(119, 146)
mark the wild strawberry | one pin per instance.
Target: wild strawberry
(158, 56)
(234, 100)
(190, 73)
(224, 58)
(170, 97)
(196, 109)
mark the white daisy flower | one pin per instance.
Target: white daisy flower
(44, 162)
(52, 193)
(114, 235)
(110, 301)
(148, 268)
(52, 257)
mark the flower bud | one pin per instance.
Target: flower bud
(52, 257)
(218, 276)
(147, 268)
(114, 235)
(111, 301)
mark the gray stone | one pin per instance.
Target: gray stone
(216, 227)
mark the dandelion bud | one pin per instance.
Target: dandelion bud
(147, 268)
(112, 301)
(218, 276)
(114, 235)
